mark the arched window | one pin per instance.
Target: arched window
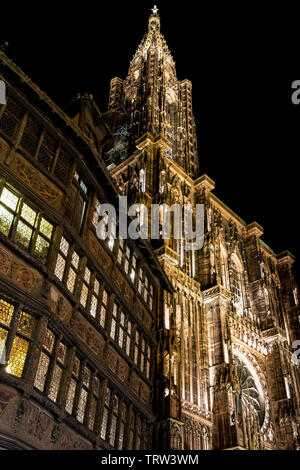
(237, 285)
(224, 267)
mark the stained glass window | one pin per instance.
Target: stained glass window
(30, 223)
(6, 312)
(17, 357)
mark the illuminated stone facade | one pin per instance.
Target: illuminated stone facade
(225, 336)
(132, 345)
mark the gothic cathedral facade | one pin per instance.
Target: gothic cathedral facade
(225, 377)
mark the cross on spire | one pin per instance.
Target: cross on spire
(155, 10)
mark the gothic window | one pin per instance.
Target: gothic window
(16, 335)
(224, 268)
(24, 224)
(67, 265)
(143, 180)
(237, 286)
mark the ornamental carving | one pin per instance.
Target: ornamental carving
(35, 180)
(5, 398)
(5, 262)
(32, 420)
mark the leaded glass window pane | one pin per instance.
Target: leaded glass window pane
(41, 376)
(6, 220)
(17, 358)
(104, 423)
(71, 280)
(26, 325)
(9, 199)
(28, 214)
(49, 341)
(82, 405)
(60, 267)
(71, 397)
(23, 234)
(55, 383)
(6, 312)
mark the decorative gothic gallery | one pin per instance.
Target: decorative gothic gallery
(133, 344)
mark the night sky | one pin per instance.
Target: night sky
(248, 127)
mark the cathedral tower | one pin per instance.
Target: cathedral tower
(225, 375)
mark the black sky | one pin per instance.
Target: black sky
(235, 56)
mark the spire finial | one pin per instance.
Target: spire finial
(155, 10)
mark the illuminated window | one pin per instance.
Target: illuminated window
(83, 395)
(106, 413)
(57, 373)
(224, 268)
(67, 265)
(139, 433)
(94, 404)
(237, 286)
(32, 231)
(85, 288)
(73, 386)
(142, 354)
(121, 329)
(143, 180)
(51, 366)
(113, 420)
(121, 251)
(17, 352)
(133, 269)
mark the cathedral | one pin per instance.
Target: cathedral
(133, 344)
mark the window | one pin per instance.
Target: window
(237, 286)
(94, 404)
(121, 251)
(127, 260)
(93, 298)
(82, 198)
(10, 118)
(31, 136)
(26, 226)
(142, 354)
(85, 288)
(224, 268)
(51, 366)
(17, 330)
(139, 433)
(121, 329)
(145, 288)
(106, 412)
(73, 385)
(133, 269)
(67, 265)
(83, 395)
(114, 420)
